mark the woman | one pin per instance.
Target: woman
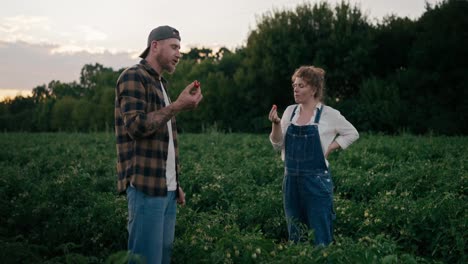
(306, 134)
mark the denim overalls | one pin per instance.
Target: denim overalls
(307, 185)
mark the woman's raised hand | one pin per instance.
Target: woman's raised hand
(273, 116)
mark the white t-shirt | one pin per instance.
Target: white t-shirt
(332, 126)
(170, 163)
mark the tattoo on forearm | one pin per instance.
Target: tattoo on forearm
(158, 119)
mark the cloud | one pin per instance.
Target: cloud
(36, 50)
(25, 28)
(44, 31)
(27, 65)
(91, 34)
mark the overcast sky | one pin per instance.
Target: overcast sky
(49, 40)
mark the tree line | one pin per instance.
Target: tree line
(394, 75)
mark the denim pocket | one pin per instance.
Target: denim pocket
(326, 181)
(320, 184)
(300, 147)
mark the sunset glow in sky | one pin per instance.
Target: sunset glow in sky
(47, 40)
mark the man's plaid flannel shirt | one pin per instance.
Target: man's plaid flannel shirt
(141, 148)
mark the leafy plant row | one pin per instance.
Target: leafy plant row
(398, 199)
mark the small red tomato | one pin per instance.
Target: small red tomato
(196, 84)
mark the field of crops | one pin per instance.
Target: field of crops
(398, 199)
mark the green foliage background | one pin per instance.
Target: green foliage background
(398, 199)
(390, 76)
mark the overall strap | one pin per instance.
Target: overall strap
(293, 113)
(317, 116)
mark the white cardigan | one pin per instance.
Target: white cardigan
(332, 126)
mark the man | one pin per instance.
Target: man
(147, 149)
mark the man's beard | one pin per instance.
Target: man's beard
(166, 66)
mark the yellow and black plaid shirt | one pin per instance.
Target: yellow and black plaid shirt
(141, 148)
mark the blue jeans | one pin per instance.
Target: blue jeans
(151, 226)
